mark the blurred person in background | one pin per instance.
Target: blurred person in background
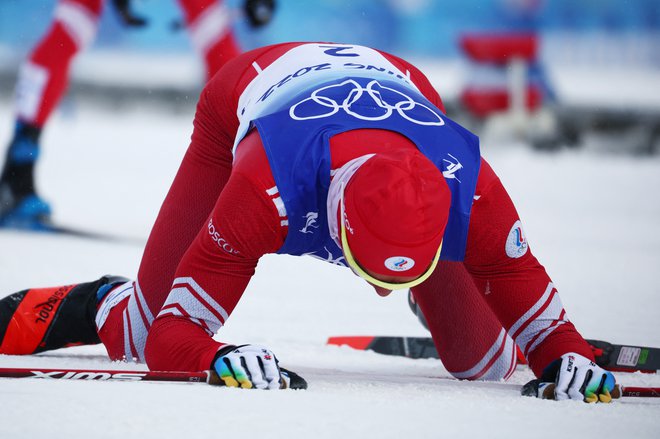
(44, 76)
(343, 153)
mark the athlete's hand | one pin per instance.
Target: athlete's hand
(259, 12)
(582, 379)
(575, 377)
(248, 366)
(127, 17)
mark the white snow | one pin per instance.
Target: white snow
(592, 219)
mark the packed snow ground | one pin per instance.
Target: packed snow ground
(592, 220)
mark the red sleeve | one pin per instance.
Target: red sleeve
(235, 222)
(215, 270)
(515, 285)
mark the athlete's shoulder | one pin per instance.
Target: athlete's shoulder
(266, 55)
(417, 77)
(275, 51)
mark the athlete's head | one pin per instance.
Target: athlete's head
(392, 214)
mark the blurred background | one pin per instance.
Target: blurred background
(564, 73)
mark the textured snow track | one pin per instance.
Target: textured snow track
(591, 220)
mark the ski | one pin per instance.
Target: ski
(84, 233)
(411, 347)
(111, 375)
(609, 356)
(625, 358)
(543, 390)
(291, 379)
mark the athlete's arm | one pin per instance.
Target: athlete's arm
(215, 270)
(515, 285)
(244, 221)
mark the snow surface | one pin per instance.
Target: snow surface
(592, 219)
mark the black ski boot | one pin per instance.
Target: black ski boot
(43, 319)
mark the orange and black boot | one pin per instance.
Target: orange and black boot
(43, 319)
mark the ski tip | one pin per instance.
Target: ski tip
(356, 342)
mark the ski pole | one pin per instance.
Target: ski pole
(208, 377)
(291, 380)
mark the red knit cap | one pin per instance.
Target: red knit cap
(396, 208)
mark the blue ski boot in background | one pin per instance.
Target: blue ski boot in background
(20, 206)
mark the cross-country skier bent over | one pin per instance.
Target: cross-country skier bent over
(343, 153)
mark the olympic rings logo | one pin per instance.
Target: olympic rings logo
(373, 102)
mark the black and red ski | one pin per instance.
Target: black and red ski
(626, 358)
(609, 356)
(49, 228)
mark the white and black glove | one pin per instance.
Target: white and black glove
(248, 366)
(574, 377)
(254, 367)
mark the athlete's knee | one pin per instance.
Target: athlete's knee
(497, 363)
(123, 322)
(112, 321)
